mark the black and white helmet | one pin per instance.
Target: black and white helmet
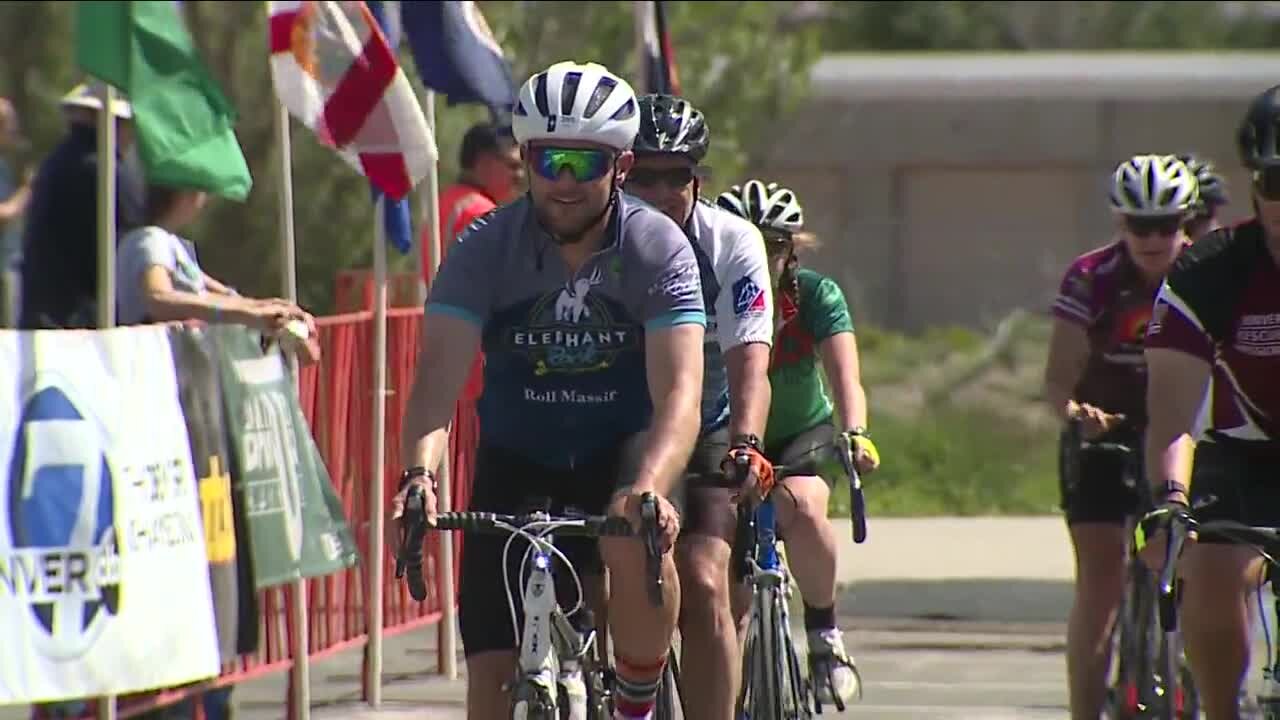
(767, 206)
(572, 101)
(670, 125)
(1154, 185)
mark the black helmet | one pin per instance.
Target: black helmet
(671, 125)
(1213, 188)
(1259, 136)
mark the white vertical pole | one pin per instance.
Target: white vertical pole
(643, 16)
(376, 482)
(448, 623)
(289, 284)
(107, 255)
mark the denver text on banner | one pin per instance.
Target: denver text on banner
(103, 565)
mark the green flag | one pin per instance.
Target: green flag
(184, 122)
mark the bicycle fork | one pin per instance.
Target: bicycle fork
(535, 693)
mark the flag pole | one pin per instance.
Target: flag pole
(301, 671)
(447, 660)
(642, 14)
(107, 255)
(378, 480)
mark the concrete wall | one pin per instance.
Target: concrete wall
(960, 210)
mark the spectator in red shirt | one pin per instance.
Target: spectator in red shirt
(492, 175)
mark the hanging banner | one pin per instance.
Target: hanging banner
(104, 577)
(296, 525)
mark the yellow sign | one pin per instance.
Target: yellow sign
(219, 521)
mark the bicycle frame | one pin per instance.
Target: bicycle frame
(1182, 525)
(547, 639)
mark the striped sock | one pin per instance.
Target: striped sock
(636, 697)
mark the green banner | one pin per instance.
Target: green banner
(296, 525)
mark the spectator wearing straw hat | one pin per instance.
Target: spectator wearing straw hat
(60, 237)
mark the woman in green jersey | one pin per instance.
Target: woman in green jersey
(811, 322)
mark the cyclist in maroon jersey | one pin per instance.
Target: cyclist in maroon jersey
(1213, 395)
(1095, 375)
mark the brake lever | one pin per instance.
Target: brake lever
(649, 527)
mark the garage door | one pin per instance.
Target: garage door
(976, 243)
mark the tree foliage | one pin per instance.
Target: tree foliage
(744, 64)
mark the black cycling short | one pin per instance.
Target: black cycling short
(507, 482)
(709, 503)
(1100, 486)
(1236, 480)
(806, 452)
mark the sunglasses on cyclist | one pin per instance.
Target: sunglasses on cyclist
(1267, 183)
(674, 178)
(584, 164)
(1164, 225)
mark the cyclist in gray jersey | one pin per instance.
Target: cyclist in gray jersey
(589, 310)
(673, 139)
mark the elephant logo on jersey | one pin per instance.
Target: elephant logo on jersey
(571, 305)
(65, 563)
(573, 330)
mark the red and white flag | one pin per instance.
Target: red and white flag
(334, 70)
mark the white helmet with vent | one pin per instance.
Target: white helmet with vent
(572, 101)
(766, 206)
(1153, 185)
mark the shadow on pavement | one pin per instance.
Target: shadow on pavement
(1002, 601)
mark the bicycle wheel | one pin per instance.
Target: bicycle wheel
(531, 700)
(792, 688)
(761, 670)
(1134, 686)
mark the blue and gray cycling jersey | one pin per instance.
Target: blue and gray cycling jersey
(564, 372)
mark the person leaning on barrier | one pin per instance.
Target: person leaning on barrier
(158, 279)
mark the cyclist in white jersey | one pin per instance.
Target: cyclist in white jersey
(672, 140)
(589, 307)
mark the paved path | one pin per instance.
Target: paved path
(948, 618)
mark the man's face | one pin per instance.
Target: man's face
(571, 183)
(665, 182)
(1266, 190)
(501, 172)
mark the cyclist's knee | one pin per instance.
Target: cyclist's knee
(703, 563)
(1216, 578)
(625, 559)
(802, 499)
(1101, 559)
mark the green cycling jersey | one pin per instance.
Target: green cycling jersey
(800, 401)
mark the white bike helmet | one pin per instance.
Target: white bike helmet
(1154, 185)
(571, 101)
(765, 206)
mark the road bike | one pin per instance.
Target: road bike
(773, 685)
(549, 638)
(1151, 677)
(1182, 525)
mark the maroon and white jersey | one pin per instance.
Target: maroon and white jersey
(1221, 303)
(1103, 293)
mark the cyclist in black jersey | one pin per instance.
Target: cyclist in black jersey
(1213, 439)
